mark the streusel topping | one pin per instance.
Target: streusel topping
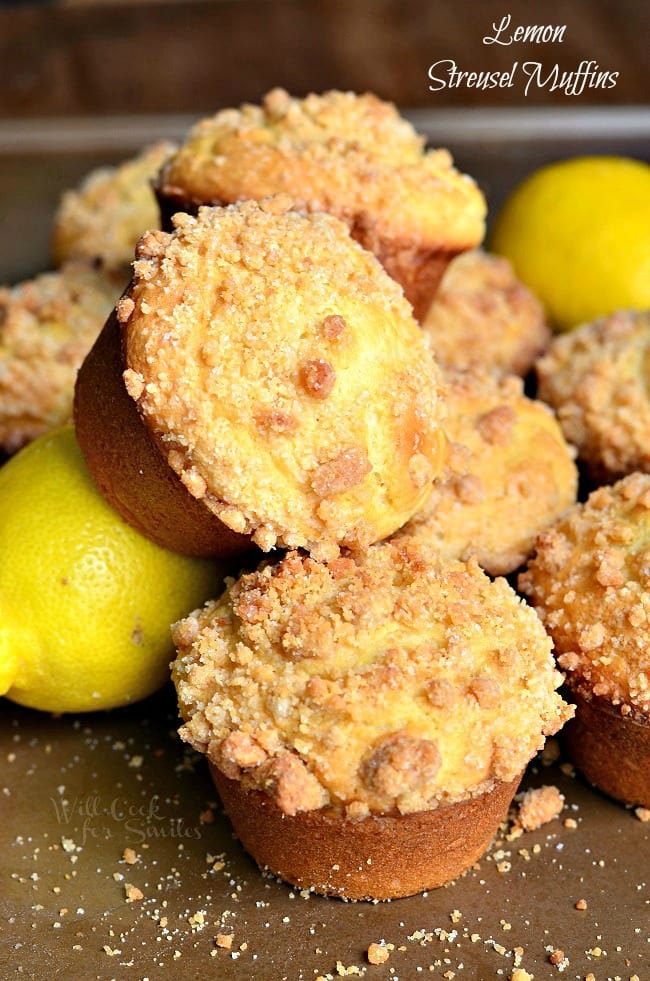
(590, 583)
(386, 680)
(113, 206)
(509, 474)
(596, 379)
(482, 314)
(350, 155)
(284, 376)
(47, 326)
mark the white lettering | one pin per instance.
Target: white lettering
(494, 39)
(573, 83)
(456, 78)
(533, 33)
(441, 82)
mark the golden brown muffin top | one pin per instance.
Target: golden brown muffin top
(350, 155)
(113, 206)
(483, 314)
(47, 326)
(596, 379)
(282, 372)
(590, 583)
(390, 680)
(508, 475)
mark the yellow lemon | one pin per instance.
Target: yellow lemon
(85, 601)
(578, 234)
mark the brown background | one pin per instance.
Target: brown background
(88, 58)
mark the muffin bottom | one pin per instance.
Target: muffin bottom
(376, 857)
(128, 467)
(610, 749)
(416, 267)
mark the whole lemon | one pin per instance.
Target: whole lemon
(85, 601)
(578, 235)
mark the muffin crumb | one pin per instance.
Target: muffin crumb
(539, 806)
(378, 954)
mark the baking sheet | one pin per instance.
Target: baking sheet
(75, 792)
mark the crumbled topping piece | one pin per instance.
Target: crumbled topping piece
(378, 954)
(317, 378)
(539, 806)
(341, 474)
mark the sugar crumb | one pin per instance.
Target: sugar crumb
(132, 893)
(378, 954)
(539, 806)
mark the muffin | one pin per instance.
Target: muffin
(358, 714)
(595, 377)
(265, 368)
(509, 474)
(47, 326)
(350, 155)
(106, 215)
(590, 583)
(482, 314)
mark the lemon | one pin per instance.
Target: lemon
(578, 235)
(85, 601)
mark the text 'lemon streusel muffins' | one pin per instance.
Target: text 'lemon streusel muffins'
(264, 365)
(590, 583)
(351, 155)
(367, 720)
(508, 475)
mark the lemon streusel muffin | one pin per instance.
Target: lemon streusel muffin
(590, 583)
(106, 215)
(350, 155)
(482, 314)
(367, 719)
(509, 474)
(596, 379)
(47, 326)
(277, 372)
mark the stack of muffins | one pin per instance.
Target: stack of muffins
(366, 695)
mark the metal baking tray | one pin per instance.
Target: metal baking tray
(75, 791)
